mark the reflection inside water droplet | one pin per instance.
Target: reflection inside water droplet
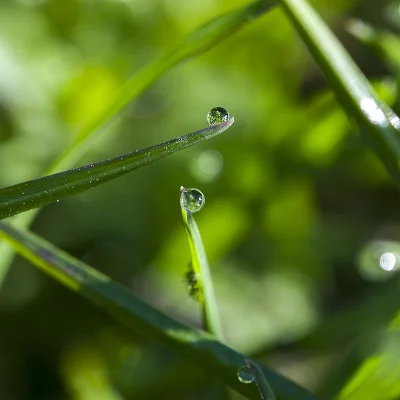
(388, 261)
(217, 115)
(192, 200)
(245, 374)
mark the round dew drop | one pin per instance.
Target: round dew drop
(192, 200)
(217, 115)
(245, 374)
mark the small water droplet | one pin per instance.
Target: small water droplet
(217, 115)
(245, 374)
(192, 200)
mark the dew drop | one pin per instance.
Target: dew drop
(217, 115)
(192, 200)
(245, 374)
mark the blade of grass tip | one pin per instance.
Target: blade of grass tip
(49, 189)
(265, 390)
(200, 265)
(378, 123)
(201, 40)
(218, 360)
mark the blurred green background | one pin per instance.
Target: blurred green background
(294, 197)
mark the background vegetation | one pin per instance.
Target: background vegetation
(293, 199)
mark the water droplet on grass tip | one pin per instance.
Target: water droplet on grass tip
(245, 374)
(217, 115)
(192, 200)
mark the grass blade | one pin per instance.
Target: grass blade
(49, 189)
(218, 360)
(202, 269)
(201, 40)
(378, 123)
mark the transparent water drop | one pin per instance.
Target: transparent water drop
(245, 374)
(192, 200)
(217, 115)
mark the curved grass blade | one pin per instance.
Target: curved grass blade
(201, 40)
(49, 189)
(218, 360)
(378, 123)
(265, 390)
(202, 269)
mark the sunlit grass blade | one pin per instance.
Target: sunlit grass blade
(201, 269)
(199, 41)
(264, 388)
(378, 123)
(370, 368)
(218, 360)
(49, 189)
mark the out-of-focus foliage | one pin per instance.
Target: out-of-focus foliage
(293, 197)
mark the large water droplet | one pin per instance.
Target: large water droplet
(245, 374)
(192, 200)
(217, 115)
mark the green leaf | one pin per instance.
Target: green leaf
(49, 189)
(218, 360)
(202, 269)
(378, 123)
(378, 375)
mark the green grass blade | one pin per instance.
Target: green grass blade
(202, 269)
(199, 41)
(378, 123)
(218, 360)
(265, 390)
(49, 189)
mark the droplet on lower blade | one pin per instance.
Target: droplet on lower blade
(245, 374)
